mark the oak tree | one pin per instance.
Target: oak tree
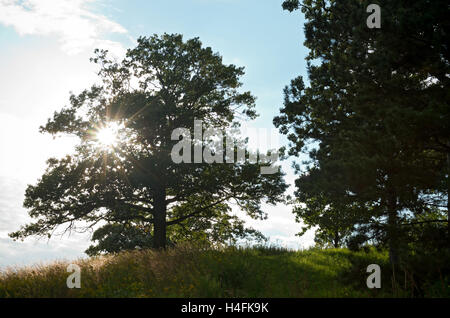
(122, 173)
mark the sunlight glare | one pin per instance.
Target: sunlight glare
(108, 135)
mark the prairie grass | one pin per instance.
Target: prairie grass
(187, 271)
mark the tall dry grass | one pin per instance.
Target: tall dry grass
(189, 271)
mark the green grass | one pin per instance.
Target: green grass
(196, 272)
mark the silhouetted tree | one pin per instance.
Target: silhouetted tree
(216, 228)
(162, 84)
(335, 222)
(376, 108)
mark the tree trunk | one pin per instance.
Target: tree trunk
(336, 240)
(393, 229)
(159, 225)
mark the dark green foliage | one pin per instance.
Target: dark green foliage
(219, 228)
(427, 265)
(113, 238)
(374, 116)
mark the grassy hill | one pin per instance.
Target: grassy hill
(196, 272)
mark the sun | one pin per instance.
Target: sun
(108, 135)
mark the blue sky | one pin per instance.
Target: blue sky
(45, 47)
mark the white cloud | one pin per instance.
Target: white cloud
(36, 80)
(71, 21)
(32, 252)
(23, 151)
(13, 216)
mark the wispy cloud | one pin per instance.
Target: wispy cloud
(13, 215)
(75, 25)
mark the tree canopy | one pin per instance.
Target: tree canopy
(374, 116)
(130, 184)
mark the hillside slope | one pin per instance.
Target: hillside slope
(194, 272)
